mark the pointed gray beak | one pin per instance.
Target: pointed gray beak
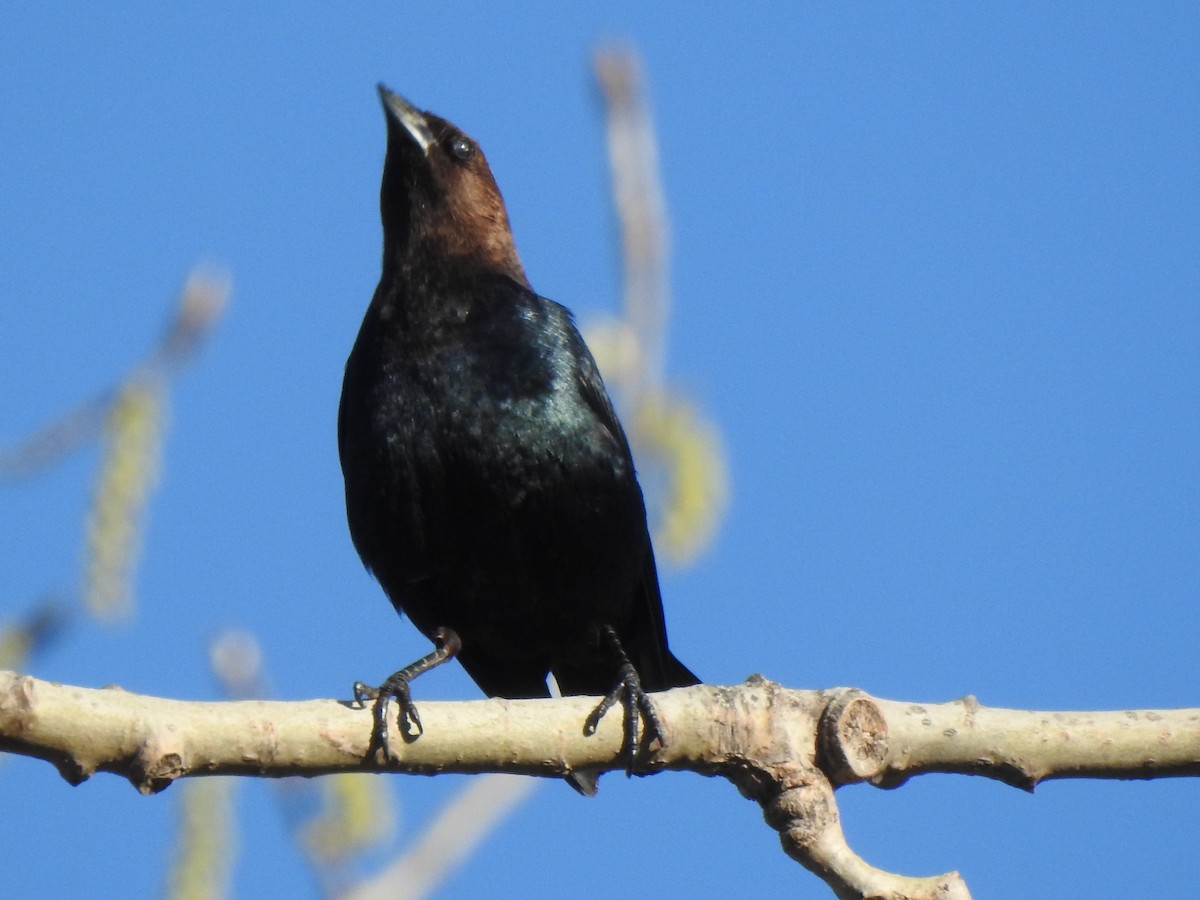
(404, 113)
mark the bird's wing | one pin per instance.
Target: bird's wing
(655, 663)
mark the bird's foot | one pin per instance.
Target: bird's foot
(397, 687)
(634, 701)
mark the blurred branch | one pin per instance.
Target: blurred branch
(130, 417)
(355, 815)
(680, 455)
(22, 640)
(203, 298)
(204, 295)
(472, 814)
(640, 208)
(135, 421)
(52, 442)
(786, 749)
(331, 820)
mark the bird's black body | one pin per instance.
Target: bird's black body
(489, 485)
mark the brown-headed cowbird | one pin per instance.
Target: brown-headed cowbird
(489, 485)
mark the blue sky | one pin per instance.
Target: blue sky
(935, 274)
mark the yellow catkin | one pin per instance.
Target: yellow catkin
(128, 474)
(14, 646)
(203, 853)
(696, 488)
(355, 815)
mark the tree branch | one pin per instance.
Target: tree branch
(786, 749)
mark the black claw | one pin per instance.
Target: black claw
(592, 722)
(650, 716)
(635, 703)
(363, 693)
(397, 687)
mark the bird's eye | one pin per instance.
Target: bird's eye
(462, 148)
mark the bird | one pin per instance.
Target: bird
(490, 487)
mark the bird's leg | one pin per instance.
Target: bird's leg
(448, 644)
(634, 700)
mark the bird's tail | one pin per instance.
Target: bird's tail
(660, 670)
(675, 674)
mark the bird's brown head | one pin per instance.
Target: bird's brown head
(438, 196)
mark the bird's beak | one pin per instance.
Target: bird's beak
(404, 113)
